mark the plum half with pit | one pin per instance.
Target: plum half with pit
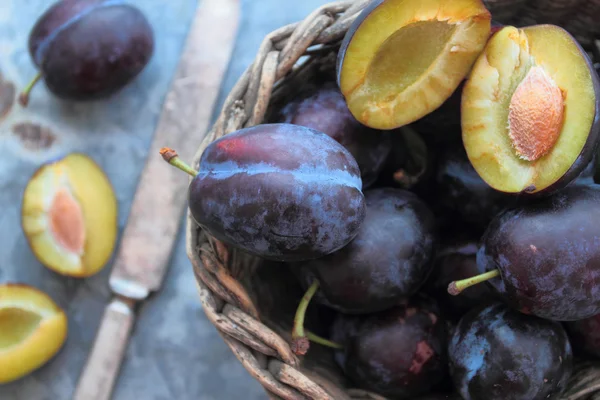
(497, 353)
(89, 49)
(531, 111)
(282, 192)
(70, 216)
(400, 60)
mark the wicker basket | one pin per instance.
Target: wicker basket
(252, 302)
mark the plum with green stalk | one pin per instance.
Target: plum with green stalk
(278, 191)
(543, 258)
(89, 49)
(389, 259)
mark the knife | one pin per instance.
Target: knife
(157, 209)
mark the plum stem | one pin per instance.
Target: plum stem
(24, 95)
(300, 338)
(456, 287)
(322, 341)
(171, 156)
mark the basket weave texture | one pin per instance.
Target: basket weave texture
(251, 302)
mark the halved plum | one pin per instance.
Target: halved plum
(69, 216)
(33, 328)
(400, 60)
(531, 110)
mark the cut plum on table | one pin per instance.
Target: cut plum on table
(32, 330)
(400, 60)
(69, 215)
(530, 110)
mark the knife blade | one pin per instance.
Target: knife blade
(159, 202)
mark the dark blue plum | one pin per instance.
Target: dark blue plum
(390, 258)
(279, 191)
(90, 49)
(455, 262)
(548, 255)
(497, 353)
(325, 110)
(462, 194)
(585, 336)
(399, 353)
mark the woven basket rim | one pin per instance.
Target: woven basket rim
(265, 354)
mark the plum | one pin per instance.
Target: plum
(455, 262)
(279, 191)
(389, 259)
(89, 49)
(69, 215)
(585, 336)
(497, 353)
(401, 60)
(543, 257)
(400, 352)
(462, 193)
(531, 111)
(325, 110)
(33, 328)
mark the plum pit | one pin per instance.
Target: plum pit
(66, 222)
(535, 115)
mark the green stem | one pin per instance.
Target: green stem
(301, 311)
(300, 338)
(458, 286)
(24, 96)
(322, 341)
(300, 343)
(171, 156)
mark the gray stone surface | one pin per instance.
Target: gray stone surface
(175, 353)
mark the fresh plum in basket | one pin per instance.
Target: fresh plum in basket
(461, 193)
(497, 353)
(455, 262)
(326, 111)
(531, 111)
(279, 191)
(390, 258)
(400, 352)
(585, 336)
(543, 258)
(89, 49)
(401, 60)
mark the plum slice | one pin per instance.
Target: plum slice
(69, 216)
(33, 328)
(400, 60)
(530, 110)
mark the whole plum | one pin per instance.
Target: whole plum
(455, 262)
(400, 352)
(325, 110)
(461, 193)
(390, 258)
(547, 256)
(585, 336)
(280, 191)
(497, 353)
(89, 49)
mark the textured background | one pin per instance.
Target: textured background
(175, 353)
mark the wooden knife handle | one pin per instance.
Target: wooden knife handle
(99, 375)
